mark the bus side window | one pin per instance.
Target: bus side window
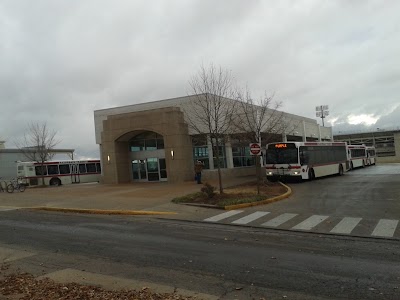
(41, 170)
(64, 169)
(82, 168)
(303, 156)
(91, 168)
(52, 169)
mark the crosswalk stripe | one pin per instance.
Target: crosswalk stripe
(251, 217)
(275, 222)
(223, 216)
(310, 222)
(346, 225)
(385, 228)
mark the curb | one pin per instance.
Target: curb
(266, 201)
(101, 211)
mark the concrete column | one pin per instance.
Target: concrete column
(229, 155)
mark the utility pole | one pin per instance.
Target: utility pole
(322, 111)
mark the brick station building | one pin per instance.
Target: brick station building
(153, 142)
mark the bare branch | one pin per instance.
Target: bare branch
(258, 118)
(37, 143)
(211, 109)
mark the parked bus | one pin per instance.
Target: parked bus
(357, 156)
(59, 172)
(305, 160)
(371, 155)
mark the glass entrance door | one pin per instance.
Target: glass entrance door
(152, 169)
(139, 169)
(163, 169)
(149, 169)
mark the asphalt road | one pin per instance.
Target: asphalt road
(229, 262)
(363, 202)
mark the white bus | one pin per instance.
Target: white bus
(59, 172)
(357, 156)
(305, 160)
(371, 155)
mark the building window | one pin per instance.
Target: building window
(201, 153)
(241, 156)
(200, 150)
(146, 141)
(222, 156)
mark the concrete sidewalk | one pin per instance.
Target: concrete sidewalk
(138, 197)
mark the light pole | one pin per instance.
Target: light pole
(322, 112)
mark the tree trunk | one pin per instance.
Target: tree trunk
(258, 169)
(42, 172)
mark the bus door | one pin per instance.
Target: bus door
(75, 178)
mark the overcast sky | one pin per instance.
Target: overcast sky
(61, 60)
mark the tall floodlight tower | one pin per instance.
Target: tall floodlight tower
(322, 111)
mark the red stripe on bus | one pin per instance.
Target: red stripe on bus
(330, 164)
(60, 175)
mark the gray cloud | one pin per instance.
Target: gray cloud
(62, 60)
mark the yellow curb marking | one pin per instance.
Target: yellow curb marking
(266, 201)
(103, 212)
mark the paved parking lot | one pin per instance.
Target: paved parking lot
(363, 202)
(152, 196)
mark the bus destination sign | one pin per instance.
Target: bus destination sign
(280, 145)
(284, 145)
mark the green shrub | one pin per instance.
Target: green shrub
(208, 189)
(187, 198)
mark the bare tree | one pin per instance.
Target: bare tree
(211, 111)
(38, 143)
(258, 121)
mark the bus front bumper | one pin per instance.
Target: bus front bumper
(284, 177)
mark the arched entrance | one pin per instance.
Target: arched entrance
(147, 157)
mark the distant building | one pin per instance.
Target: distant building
(386, 142)
(9, 157)
(153, 142)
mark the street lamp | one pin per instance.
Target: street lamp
(322, 112)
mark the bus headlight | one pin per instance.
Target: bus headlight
(296, 173)
(269, 173)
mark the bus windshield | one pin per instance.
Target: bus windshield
(282, 156)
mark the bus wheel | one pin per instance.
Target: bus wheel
(340, 170)
(311, 174)
(55, 182)
(363, 165)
